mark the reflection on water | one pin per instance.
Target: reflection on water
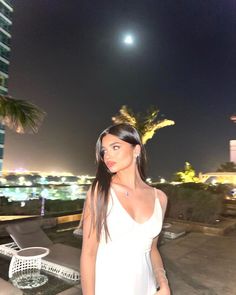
(52, 192)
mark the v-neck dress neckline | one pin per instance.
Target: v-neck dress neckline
(115, 197)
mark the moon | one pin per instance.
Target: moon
(128, 39)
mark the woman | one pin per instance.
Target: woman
(121, 221)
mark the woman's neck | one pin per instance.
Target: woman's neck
(130, 179)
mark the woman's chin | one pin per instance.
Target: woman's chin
(112, 170)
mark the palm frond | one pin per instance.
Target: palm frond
(152, 128)
(126, 116)
(146, 124)
(151, 115)
(20, 115)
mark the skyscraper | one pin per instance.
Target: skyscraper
(232, 144)
(6, 10)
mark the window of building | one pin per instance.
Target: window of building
(3, 67)
(4, 39)
(5, 11)
(1, 153)
(2, 138)
(4, 53)
(5, 25)
(3, 81)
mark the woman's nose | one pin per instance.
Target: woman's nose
(107, 156)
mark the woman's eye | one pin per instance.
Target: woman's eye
(103, 152)
(116, 147)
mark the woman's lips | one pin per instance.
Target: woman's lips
(110, 164)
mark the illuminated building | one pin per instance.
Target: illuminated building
(232, 144)
(232, 150)
(218, 177)
(6, 11)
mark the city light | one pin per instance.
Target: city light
(33, 185)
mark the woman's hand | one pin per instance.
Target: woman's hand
(165, 290)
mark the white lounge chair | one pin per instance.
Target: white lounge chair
(62, 261)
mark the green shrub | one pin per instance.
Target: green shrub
(52, 206)
(193, 201)
(220, 188)
(193, 185)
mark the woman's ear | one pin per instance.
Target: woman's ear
(137, 150)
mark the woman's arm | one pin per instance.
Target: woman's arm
(157, 264)
(89, 251)
(159, 270)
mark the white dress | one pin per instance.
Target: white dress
(123, 264)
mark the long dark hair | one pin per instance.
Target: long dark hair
(102, 181)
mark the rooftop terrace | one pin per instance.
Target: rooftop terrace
(196, 263)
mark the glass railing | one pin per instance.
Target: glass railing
(33, 200)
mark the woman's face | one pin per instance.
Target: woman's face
(118, 154)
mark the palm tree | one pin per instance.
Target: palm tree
(147, 124)
(20, 115)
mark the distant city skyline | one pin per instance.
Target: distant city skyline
(74, 65)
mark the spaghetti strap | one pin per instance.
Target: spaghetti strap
(155, 193)
(160, 206)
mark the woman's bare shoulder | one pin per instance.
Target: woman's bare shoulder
(162, 197)
(159, 194)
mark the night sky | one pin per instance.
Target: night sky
(67, 57)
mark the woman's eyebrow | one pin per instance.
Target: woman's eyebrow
(111, 144)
